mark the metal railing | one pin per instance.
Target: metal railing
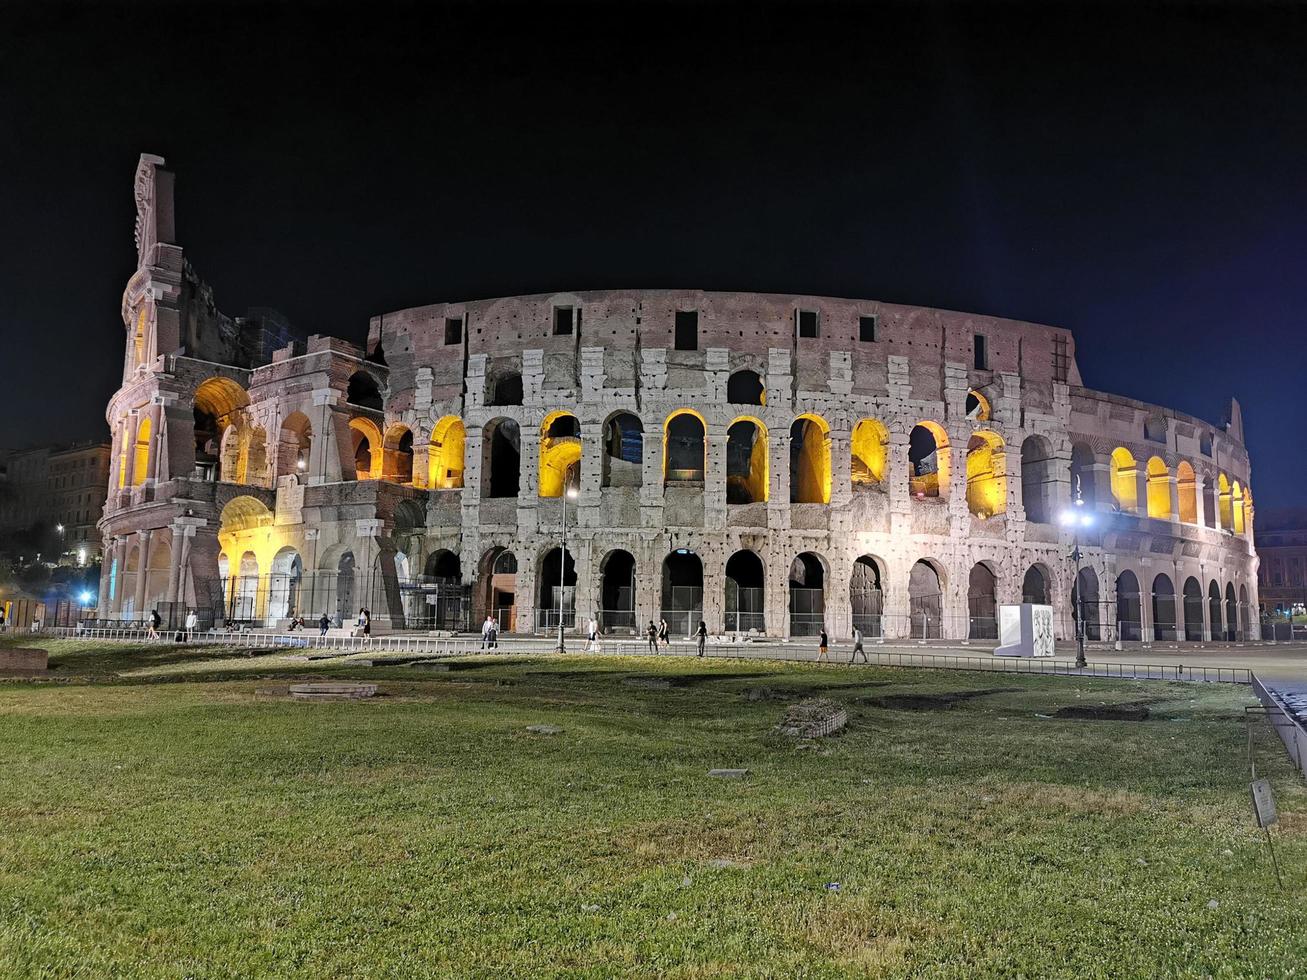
(1291, 731)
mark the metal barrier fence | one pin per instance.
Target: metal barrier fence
(1287, 726)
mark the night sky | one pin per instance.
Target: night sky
(1139, 176)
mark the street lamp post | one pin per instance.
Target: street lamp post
(568, 493)
(1075, 518)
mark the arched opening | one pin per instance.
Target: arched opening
(1086, 608)
(345, 608)
(928, 461)
(555, 590)
(986, 474)
(867, 596)
(245, 595)
(501, 459)
(445, 457)
(807, 585)
(1164, 609)
(1231, 613)
(294, 443)
(438, 600)
(506, 389)
(560, 453)
(1223, 502)
(1236, 507)
(1186, 492)
(809, 460)
(141, 451)
(746, 462)
(982, 603)
(243, 513)
(443, 567)
(869, 446)
(131, 569)
(925, 601)
(1125, 481)
(617, 592)
(363, 391)
(1248, 510)
(499, 581)
(684, 449)
(1129, 611)
(156, 578)
(682, 591)
(1035, 587)
(284, 585)
(977, 406)
(252, 468)
(1193, 609)
(397, 461)
(1038, 480)
(1217, 623)
(366, 448)
(217, 405)
(623, 451)
(1159, 489)
(745, 388)
(744, 593)
(1082, 473)
(1245, 615)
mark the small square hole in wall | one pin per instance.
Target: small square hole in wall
(565, 318)
(805, 323)
(867, 329)
(453, 330)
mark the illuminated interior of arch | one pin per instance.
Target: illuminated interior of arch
(397, 455)
(560, 453)
(986, 474)
(446, 460)
(810, 472)
(1159, 488)
(746, 461)
(928, 460)
(141, 459)
(870, 448)
(685, 447)
(139, 339)
(366, 449)
(1125, 480)
(1236, 504)
(1223, 502)
(1186, 487)
(977, 406)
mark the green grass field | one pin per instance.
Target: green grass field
(168, 813)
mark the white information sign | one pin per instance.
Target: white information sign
(1025, 631)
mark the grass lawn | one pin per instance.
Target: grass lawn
(165, 812)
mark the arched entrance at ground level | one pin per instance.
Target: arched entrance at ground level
(1164, 609)
(982, 603)
(1193, 609)
(926, 601)
(555, 590)
(867, 597)
(346, 611)
(498, 582)
(682, 592)
(1217, 623)
(156, 577)
(1231, 612)
(439, 599)
(1087, 587)
(617, 592)
(744, 593)
(1128, 608)
(1035, 588)
(807, 585)
(284, 585)
(245, 590)
(1245, 615)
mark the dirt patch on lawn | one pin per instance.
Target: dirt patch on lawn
(1104, 712)
(932, 702)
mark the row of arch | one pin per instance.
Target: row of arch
(1227, 504)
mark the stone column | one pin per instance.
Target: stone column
(1141, 489)
(714, 479)
(174, 562)
(129, 441)
(142, 569)
(157, 435)
(1200, 507)
(184, 563)
(107, 571)
(1173, 490)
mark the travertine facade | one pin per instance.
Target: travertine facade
(760, 461)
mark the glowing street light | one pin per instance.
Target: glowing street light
(1075, 518)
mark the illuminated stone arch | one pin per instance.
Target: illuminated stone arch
(294, 444)
(366, 448)
(218, 404)
(1125, 480)
(1186, 491)
(869, 446)
(1224, 503)
(928, 460)
(397, 454)
(1248, 510)
(685, 447)
(810, 470)
(560, 453)
(1159, 488)
(141, 450)
(746, 461)
(977, 407)
(986, 474)
(1236, 507)
(446, 459)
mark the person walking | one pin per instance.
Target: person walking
(324, 624)
(155, 622)
(822, 644)
(652, 634)
(192, 622)
(702, 634)
(664, 634)
(592, 636)
(857, 647)
(485, 631)
(492, 634)
(367, 622)
(358, 623)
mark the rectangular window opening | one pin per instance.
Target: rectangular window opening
(565, 318)
(453, 330)
(806, 323)
(687, 329)
(980, 352)
(867, 329)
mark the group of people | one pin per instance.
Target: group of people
(660, 635)
(154, 621)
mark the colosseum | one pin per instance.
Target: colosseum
(766, 463)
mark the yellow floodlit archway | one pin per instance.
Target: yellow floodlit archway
(870, 448)
(1223, 502)
(446, 457)
(810, 460)
(1236, 505)
(141, 458)
(930, 459)
(986, 474)
(1186, 491)
(367, 450)
(685, 451)
(1159, 488)
(560, 451)
(1125, 480)
(751, 474)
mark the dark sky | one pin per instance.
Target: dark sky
(1138, 175)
